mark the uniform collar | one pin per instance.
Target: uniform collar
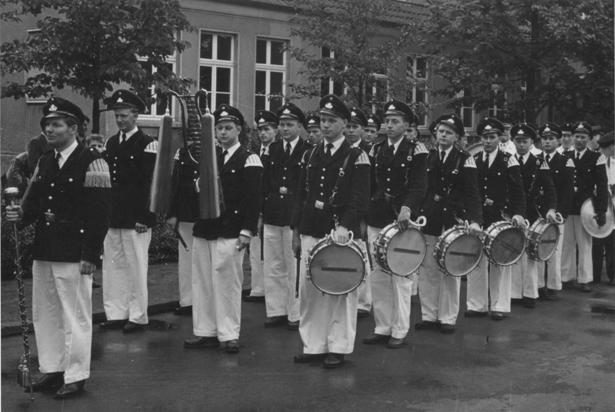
(581, 153)
(491, 156)
(446, 152)
(231, 151)
(525, 157)
(336, 145)
(131, 132)
(395, 145)
(65, 154)
(264, 147)
(293, 143)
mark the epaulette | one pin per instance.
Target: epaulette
(601, 160)
(152, 147)
(97, 174)
(512, 161)
(570, 163)
(253, 161)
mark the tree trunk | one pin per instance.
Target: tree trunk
(96, 114)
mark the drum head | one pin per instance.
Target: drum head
(337, 270)
(507, 247)
(463, 255)
(548, 242)
(406, 252)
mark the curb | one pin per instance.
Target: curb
(98, 317)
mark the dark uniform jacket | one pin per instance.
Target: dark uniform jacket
(502, 184)
(317, 207)
(280, 180)
(185, 198)
(589, 181)
(70, 207)
(562, 173)
(242, 194)
(452, 191)
(539, 187)
(132, 165)
(398, 179)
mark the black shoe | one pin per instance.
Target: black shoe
(497, 315)
(333, 360)
(362, 313)
(69, 390)
(516, 301)
(474, 314)
(584, 287)
(542, 293)
(47, 382)
(113, 324)
(254, 299)
(201, 342)
(568, 285)
(131, 327)
(183, 311)
(309, 357)
(231, 346)
(395, 343)
(611, 282)
(292, 325)
(529, 303)
(96, 285)
(245, 292)
(426, 324)
(375, 339)
(275, 321)
(551, 294)
(447, 328)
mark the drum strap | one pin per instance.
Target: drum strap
(340, 176)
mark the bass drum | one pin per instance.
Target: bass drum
(334, 268)
(458, 251)
(504, 243)
(542, 240)
(400, 252)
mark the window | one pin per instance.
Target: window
(416, 77)
(270, 80)
(159, 105)
(216, 67)
(377, 91)
(327, 84)
(466, 111)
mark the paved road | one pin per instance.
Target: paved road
(557, 357)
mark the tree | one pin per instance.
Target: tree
(353, 43)
(92, 45)
(545, 56)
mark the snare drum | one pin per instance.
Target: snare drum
(400, 252)
(336, 269)
(542, 240)
(504, 243)
(458, 251)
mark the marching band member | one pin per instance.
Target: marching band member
(562, 171)
(589, 182)
(267, 134)
(69, 202)
(501, 190)
(567, 143)
(219, 244)
(541, 201)
(184, 211)
(355, 130)
(280, 181)
(131, 156)
(312, 122)
(452, 193)
(372, 128)
(399, 182)
(333, 194)
(506, 144)
(606, 246)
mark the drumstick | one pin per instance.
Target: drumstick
(298, 269)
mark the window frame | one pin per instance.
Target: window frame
(214, 63)
(412, 86)
(269, 68)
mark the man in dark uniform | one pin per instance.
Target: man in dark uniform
(355, 133)
(219, 244)
(372, 129)
(589, 182)
(312, 126)
(567, 143)
(603, 248)
(131, 156)
(68, 201)
(183, 212)
(452, 194)
(562, 173)
(333, 195)
(399, 182)
(501, 189)
(280, 182)
(541, 200)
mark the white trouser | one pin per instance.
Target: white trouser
(489, 280)
(365, 289)
(62, 317)
(280, 273)
(257, 280)
(184, 264)
(392, 295)
(554, 266)
(125, 275)
(328, 323)
(576, 236)
(524, 277)
(217, 276)
(439, 293)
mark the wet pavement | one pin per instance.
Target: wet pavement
(557, 357)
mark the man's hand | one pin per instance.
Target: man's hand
(243, 242)
(475, 226)
(13, 213)
(600, 219)
(403, 219)
(172, 222)
(140, 228)
(86, 268)
(341, 234)
(519, 220)
(551, 216)
(296, 243)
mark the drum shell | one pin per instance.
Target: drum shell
(336, 269)
(384, 250)
(503, 256)
(535, 234)
(446, 255)
(589, 222)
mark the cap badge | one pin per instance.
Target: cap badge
(353, 114)
(261, 120)
(450, 120)
(391, 107)
(224, 113)
(547, 129)
(488, 127)
(370, 121)
(311, 121)
(286, 111)
(119, 100)
(520, 131)
(328, 105)
(53, 108)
